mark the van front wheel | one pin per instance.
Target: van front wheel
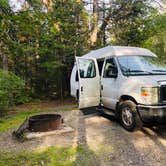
(129, 117)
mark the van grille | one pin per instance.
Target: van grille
(163, 93)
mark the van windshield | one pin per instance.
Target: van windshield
(141, 65)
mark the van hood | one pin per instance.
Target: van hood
(132, 85)
(150, 80)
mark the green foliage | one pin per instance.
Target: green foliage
(4, 6)
(41, 45)
(11, 88)
(128, 22)
(157, 39)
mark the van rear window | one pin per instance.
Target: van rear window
(87, 68)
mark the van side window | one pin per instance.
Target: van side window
(76, 76)
(110, 68)
(100, 65)
(87, 68)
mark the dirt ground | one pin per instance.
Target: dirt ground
(104, 138)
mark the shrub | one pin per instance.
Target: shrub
(11, 90)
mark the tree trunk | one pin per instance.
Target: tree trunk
(94, 29)
(101, 33)
(4, 57)
(48, 4)
(5, 62)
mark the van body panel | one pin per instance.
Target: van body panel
(89, 82)
(74, 84)
(132, 86)
(109, 96)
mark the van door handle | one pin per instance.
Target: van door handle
(81, 88)
(101, 87)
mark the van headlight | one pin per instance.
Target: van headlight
(150, 95)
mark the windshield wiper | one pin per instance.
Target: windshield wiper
(159, 70)
(140, 71)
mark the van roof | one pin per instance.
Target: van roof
(118, 51)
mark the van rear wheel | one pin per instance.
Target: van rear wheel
(129, 117)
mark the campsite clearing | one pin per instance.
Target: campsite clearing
(96, 140)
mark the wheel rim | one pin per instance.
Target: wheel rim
(127, 116)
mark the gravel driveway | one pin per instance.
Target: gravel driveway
(108, 143)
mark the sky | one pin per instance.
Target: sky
(16, 4)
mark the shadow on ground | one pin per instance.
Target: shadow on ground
(84, 155)
(144, 147)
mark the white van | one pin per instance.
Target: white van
(128, 80)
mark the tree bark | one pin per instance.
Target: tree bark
(5, 62)
(101, 33)
(94, 29)
(4, 57)
(48, 4)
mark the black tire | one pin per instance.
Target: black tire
(128, 115)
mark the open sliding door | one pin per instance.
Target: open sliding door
(89, 82)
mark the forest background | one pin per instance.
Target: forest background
(40, 38)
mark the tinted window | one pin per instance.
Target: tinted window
(86, 68)
(109, 69)
(77, 75)
(100, 65)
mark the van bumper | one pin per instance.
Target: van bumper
(152, 113)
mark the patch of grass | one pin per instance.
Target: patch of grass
(13, 120)
(50, 157)
(53, 156)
